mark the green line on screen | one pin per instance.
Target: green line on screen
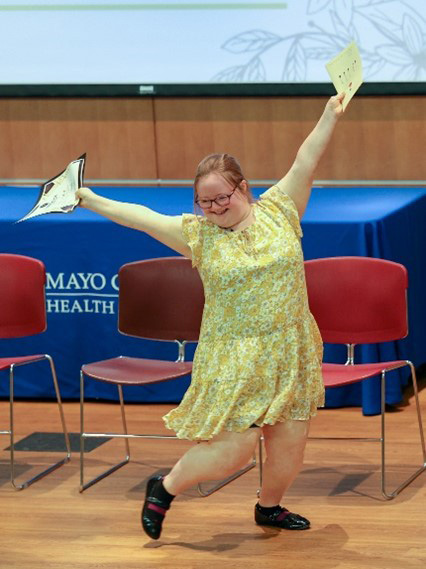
(147, 6)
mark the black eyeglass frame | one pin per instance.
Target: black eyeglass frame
(227, 196)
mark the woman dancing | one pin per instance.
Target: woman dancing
(257, 365)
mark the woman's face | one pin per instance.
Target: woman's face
(213, 186)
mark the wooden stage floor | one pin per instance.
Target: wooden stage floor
(51, 525)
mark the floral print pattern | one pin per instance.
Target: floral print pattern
(259, 355)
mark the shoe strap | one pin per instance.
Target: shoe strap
(156, 502)
(282, 515)
(155, 508)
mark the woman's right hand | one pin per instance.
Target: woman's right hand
(84, 195)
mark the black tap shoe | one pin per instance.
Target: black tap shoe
(153, 510)
(281, 518)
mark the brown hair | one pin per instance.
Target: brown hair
(226, 166)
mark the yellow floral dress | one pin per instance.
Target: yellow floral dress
(258, 360)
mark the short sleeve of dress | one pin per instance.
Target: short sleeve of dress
(278, 202)
(191, 231)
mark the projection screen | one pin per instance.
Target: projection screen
(101, 47)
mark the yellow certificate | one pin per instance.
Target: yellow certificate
(345, 71)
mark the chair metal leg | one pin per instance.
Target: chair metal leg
(390, 495)
(125, 435)
(236, 475)
(43, 473)
(261, 462)
(407, 481)
(226, 481)
(83, 435)
(260, 465)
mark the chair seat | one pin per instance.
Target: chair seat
(136, 371)
(336, 375)
(5, 363)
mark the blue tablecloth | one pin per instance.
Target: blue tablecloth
(83, 252)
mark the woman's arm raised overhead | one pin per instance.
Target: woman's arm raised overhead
(297, 182)
(165, 228)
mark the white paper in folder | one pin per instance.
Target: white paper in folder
(57, 195)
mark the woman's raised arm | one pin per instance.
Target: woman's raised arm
(165, 228)
(297, 182)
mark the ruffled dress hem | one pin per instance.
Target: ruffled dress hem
(184, 434)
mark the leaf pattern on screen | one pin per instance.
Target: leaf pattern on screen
(398, 49)
(254, 40)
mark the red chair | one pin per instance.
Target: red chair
(23, 313)
(159, 299)
(359, 300)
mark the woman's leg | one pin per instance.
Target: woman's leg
(217, 458)
(211, 460)
(284, 445)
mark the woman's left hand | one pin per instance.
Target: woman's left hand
(335, 105)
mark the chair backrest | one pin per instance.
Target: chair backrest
(161, 299)
(358, 300)
(22, 297)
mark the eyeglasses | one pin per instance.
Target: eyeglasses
(221, 200)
